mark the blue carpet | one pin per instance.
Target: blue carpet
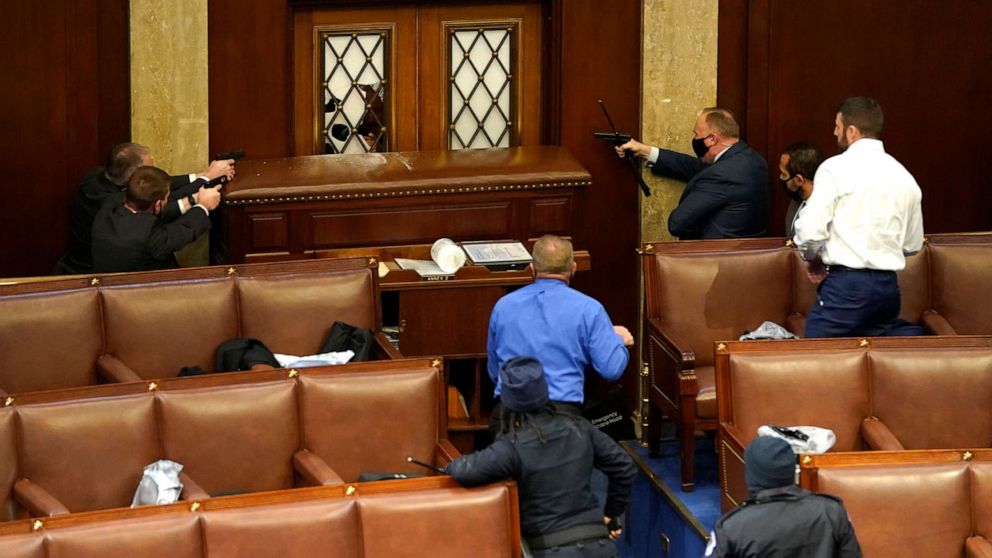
(664, 521)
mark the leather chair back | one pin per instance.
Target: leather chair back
(914, 286)
(931, 403)
(296, 530)
(49, 340)
(23, 546)
(918, 510)
(8, 463)
(707, 297)
(233, 438)
(981, 504)
(826, 388)
(292, 314)
(449, 522)
(89, 453)
(167, 536)
(959, 275)
(158, 328)
(355, 419)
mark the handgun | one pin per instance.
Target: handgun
(617, 139)
(237, 154)
(790, 433)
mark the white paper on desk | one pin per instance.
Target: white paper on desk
(426, 268)
(497, 252)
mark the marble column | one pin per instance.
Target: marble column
(169, 102)
(679, 39)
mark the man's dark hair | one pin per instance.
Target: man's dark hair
(804, 158)
(147, 186)
(722, 120)
(864, 113)
(124, 158)
(552, 254)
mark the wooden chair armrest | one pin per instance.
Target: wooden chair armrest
(937, 324)
(262, 366)
(191, 490)
(382, 349)
(3, 393)
(677, 345)
(113, 370)
(733, 435)
(878, 436)
(314, 470)
(37, 500)
(446, 452)
(977, 547)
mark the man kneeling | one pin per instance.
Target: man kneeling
(128, 233)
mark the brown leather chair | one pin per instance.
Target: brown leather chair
(23, 546)
(293, 530)
(366, 428)
(959, 278)
(172, 536)
(910, 503)
(443, 522)
(84, 449)
(409, 518)
(141, 326)
(50, 340)
(911, 510)
(8, 462)
(930, 403)
(698, 292)
(234, 438)
(84, 455)
(881, 393)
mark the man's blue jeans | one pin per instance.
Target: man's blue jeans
(858, 303)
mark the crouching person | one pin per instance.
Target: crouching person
(551, 456)
(781, 519)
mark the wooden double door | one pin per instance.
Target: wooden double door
(417, 77)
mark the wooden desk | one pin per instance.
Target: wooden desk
(290, 208)
(447, 317)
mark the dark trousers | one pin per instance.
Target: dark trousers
(598, 548)
(856, 303)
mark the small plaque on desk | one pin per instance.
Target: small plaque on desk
(426, 268)
(498, 256)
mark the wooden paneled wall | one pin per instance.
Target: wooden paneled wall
(64, 104)
(587, 56)
(785, 66)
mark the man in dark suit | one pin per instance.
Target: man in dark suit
(99, 183)
(726, 191)
(130, 232)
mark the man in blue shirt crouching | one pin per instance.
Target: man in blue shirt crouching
(563, 328)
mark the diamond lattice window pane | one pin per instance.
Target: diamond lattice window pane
(355, 91)
(481, 96)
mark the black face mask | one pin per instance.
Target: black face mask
(699, 146)
(796, 195)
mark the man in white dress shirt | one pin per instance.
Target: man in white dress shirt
(856, 229)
